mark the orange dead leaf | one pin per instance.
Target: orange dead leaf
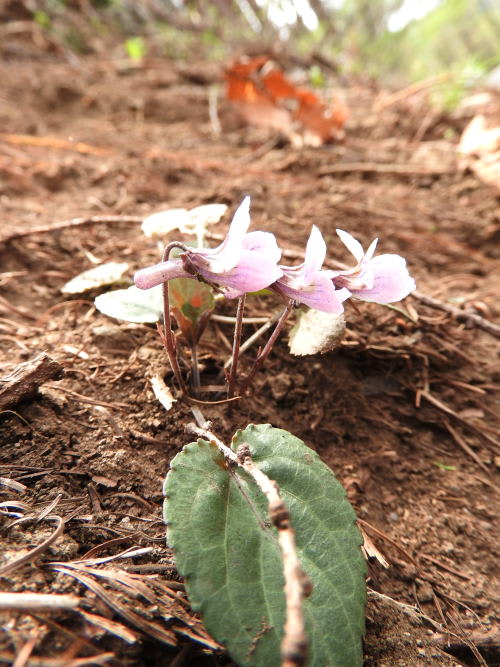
(265, 97)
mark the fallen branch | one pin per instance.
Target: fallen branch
(73, 222)
(25, 379)
(458, 314)
(383, 168)
(297, 585)
(412, 89)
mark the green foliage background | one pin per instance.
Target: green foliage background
(459, 36)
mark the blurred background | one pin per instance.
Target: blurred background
(393, 41)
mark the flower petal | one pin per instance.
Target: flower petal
(254, 272)
(315, 255)
(264, 243)
(371, 250)
(321, 295)
(354, 247)
(159, 273)
(392, 282)
(226, 255)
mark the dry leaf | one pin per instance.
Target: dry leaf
(316, 332)
(187, 222)
(101, 276)
(265, 97)
(480, 148)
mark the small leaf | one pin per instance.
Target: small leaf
(132, 304)
(228, 552)
(444, 466)
(160, 224)
(189, 299)
(135, 48)
(187, 222)
(316, 332)
(100, 276)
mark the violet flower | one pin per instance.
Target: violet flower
(382, 279)
(307, 284)
(243, 262)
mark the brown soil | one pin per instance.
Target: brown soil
(392, 411)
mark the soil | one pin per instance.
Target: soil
(404, 411)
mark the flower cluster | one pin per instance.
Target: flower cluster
(248, 262)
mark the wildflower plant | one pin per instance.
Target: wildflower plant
(247, 262)
(261, 530)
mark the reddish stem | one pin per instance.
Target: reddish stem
(231, 382)
(262, 356)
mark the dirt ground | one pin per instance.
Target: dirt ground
(404, 411)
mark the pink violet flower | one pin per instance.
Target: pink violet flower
(308, 284)
(243, 262)
(382, 279)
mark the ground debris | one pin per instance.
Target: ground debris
(25, 379)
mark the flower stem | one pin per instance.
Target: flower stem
(168, 337)
(262, 356)
(231, 382)
(195, 369)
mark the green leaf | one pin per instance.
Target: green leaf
(228, 553)
(132, 304)
(135, 48)
(316, 76)
(189, 299)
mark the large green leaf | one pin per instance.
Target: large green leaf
(228, 553)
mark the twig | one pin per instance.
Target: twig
(225, 319)
(255, 336)
(14, 564)
(383, 168)
(262, 356)
(447, 410)
(294, 644)
(231, 382)
(5, 304)
(458, 314)
(86, 399)
(73, 222)
(449, 569)
(412, 89)
(200, 419)
(54, 142)
(37, 601)
(297, 585)
(203, 432)
(461, 443)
